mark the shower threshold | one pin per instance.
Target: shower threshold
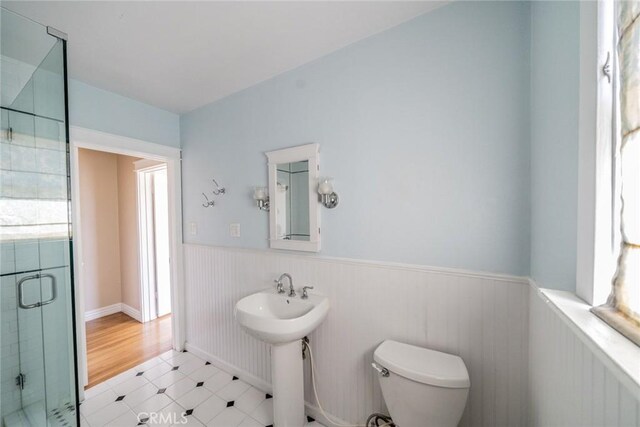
(32, 415)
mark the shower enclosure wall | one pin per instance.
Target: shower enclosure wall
(37, 336)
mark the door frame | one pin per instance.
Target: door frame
(102, 141)
(142, 168)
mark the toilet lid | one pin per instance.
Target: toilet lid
(423, 365)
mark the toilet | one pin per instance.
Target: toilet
(421, 387)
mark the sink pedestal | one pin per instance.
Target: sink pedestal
(283, 321)
(288, 384)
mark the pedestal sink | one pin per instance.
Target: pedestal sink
(283, 321)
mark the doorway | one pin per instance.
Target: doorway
(125, 270)
(140, 328)
(153, 220)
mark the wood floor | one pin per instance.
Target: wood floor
(117, 342)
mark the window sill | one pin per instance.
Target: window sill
(617, 353)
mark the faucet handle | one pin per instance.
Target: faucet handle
(279, 286)
(304, 291)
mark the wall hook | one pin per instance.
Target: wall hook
(219, 190)
(207, 203)
(606, 69)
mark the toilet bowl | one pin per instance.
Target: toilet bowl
(421, 387)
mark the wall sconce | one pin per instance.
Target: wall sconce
(328, 197)
(261, 196)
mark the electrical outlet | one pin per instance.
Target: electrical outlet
(193, 228)
(234, 230)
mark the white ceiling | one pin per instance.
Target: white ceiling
(182, 55)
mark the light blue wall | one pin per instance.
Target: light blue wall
(555, 49)
(98, 109)
(425, 128)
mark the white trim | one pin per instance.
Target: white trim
(146, 216)
(245, 376)
(293, 154)
(595, 263)
(118, 307)
(309, 152)
(102, 311)
(314, 412)
(520, 280)
(616, 352)
(78, 277)
(146, 241)
(102, 141)
(131, 312)
(87, 138)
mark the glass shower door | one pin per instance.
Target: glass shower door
(37, 337)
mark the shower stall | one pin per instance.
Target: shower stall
(37, 330)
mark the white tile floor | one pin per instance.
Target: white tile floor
(162, 390)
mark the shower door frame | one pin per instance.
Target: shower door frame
(102, 141)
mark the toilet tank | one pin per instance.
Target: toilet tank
(423, 387)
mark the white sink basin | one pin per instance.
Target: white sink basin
(277, 318)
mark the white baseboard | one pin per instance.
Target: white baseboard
(313, 412)
(259, 383)
(102, 311)
(131, 312)
(245, 376)
(112, 309)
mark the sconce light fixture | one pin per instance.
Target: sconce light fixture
(328, 197)
(261, 196)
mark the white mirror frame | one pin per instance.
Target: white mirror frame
(311, 153)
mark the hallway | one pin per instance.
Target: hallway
(117, 342)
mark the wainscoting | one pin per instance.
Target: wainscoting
(569, 385)
(483, 318)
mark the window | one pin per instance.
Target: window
(622, 309)
(33, 177)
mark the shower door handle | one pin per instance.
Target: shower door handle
(54, 291)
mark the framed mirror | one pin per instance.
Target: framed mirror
(294, 212)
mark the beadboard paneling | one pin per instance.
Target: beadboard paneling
(482, 318)
(568, 384)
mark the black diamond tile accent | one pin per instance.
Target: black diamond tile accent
(189, 412)
(119, 398)
(270, 425)
(143, 420)
(309, 419)
(139, 373)
(229, 404)
(184, 351)
(235, 378)
(268, 396)
(175, 368)
(208, 363)
(162, 390)
(200, 384)
(140, 423)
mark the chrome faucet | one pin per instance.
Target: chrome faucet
(292, 292)
(304, 292)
